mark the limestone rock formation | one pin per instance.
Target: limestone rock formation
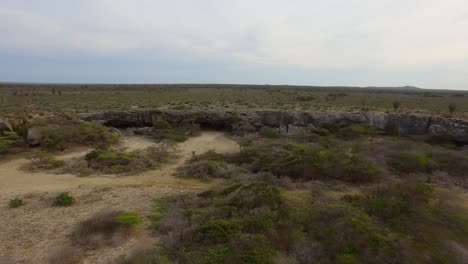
(288, 121)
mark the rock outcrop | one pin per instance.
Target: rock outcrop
(4, 125)
(405, 124)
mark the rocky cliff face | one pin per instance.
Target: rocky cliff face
(288, 121)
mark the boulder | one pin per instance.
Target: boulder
(4, 125)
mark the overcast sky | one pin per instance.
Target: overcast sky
(323, 42)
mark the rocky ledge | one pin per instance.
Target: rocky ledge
(288, 121)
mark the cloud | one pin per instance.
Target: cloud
(385, 35)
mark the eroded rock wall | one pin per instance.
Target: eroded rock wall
(406, 124)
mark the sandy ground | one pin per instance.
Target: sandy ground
(31, 233)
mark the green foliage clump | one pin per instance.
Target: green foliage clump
(390, 203)
(128, 218)
(162, 124)
(218, 230)
(95, 135)
(408, 162)
(7, 140)
(45, 162)
(114, 161)
(349, 235)
(214, 256)
(233, 225)
(294, 160)
(64, 199)
(101, 229)
(415, 212)
(163, 130)
(16, 202)
(454, 163)
(89, 134)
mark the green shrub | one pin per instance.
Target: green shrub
(95, 135)
(347, 259)
(390, 203)
(219, 230)
(408, 162)
(89, 134)
(45, 162)
(252, 249)
(214, 256)
(64, 199)
(16, 202)
(128, 218)
(358, 169)
(7, 139)
(114, 161)
(101, 229)
(348, 234)
(454, 163)
(54, 142)
(162, 124)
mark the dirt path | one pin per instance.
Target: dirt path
(31, 233)
(13, 180)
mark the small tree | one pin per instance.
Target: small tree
(396, 105)
(91, 156)
(452, 107)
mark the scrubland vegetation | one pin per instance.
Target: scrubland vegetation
(41, 99)
(280, 205)
(343, 194)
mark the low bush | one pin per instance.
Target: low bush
(286, 159)
(302, 161)
(410, 162)
(348, 234)
(390, 203)
(16, 202)
(89, 134)
(115, 161)
(253, 223)
(128, 218)
(7, 140)
(221, 226)
(105, 228)
(209, 165)
(45, 162)
(454, 163)
(64, 199)
(423, 217)
(163, 130)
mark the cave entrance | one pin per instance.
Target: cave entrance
(216, 126)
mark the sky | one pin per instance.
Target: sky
(421, 43)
